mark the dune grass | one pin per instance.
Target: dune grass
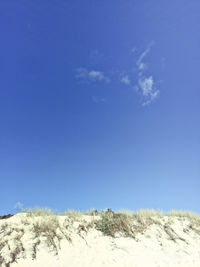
(45, 227)
(110, 223)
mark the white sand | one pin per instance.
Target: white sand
(153, 248)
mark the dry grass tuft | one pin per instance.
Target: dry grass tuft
(73, 214)
(47, 228)
(112, 223)
(147, 214)
(6, 231)
(183, 214)
(38, 212)
(92, 212)
(45, 225)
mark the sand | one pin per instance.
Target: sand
(153, 247)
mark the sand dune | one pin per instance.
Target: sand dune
(103, 239)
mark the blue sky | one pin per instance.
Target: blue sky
(99, 104)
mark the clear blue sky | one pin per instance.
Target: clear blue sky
(99, 104)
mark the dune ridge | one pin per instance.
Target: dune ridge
(145, 238)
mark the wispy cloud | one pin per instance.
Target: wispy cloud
(142, 80)
(91, 75)
(146, 84)
(19, 206)
(148, 90)
(125, 79)
(141, 65)
(97, 75)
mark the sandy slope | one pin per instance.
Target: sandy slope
(20, 247)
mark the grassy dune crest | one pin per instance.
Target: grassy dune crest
(41, 227)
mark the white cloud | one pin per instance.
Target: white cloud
(96, 75)
(148, 90)
(144, 82)
(125, 79)
(146, 85)
(93, 75)
(141, 65)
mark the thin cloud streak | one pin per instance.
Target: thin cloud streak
(141, 65)
(92, 75)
